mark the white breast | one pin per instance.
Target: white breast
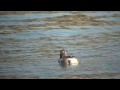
(74, 61)
(71, 61)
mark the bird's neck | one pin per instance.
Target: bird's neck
(62, 55)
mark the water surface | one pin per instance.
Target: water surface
(31, 16)
(102, 13)
(34, 53)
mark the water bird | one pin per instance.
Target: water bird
(68, 60)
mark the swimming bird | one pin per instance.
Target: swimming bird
(69, 60)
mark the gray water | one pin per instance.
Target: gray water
(109, 19)
(35, 52)
(31, 16)
(102, 13)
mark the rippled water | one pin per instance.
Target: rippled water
(102, 13)
(110, 19)
(35, 52)
(31, 16)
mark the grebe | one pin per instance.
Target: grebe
(69, 60)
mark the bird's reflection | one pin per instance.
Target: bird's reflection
(63, 65)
